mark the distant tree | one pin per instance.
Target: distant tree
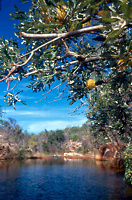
(25, 138)
(60, 136)
(32, 145)
(86, 146)
(45, 146)
(74, 136)
(12, 132)
(5, 129)
(55, 141)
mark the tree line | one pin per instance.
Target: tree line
(45, 141)
(50, 142)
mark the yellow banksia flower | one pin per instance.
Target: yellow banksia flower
(90, 83)
(61, 13)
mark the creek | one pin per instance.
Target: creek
(59, 178)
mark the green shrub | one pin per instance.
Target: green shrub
(128, 163)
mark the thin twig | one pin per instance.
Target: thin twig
(76, 69)
(14, 86)
(70, 53)
(84, 103)
(32, 52)
(48, 93)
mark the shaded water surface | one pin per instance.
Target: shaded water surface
(61, 179)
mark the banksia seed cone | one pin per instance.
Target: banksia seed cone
(90, 83)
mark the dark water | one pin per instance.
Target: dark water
(59, 179)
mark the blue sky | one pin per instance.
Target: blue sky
(35, 117)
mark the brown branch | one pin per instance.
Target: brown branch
(56, 37)
(32, 52)
(38, 36)
(70, 53)
(30, 73)
(62, 35)
(62, 66)
(17, 66)
(65, 45)
(85, 61)
(9, 73)
(62, 57)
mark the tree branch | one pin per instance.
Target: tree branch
(62, 35)
(56, 37)
(85, 61)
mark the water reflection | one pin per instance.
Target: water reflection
(61, 179)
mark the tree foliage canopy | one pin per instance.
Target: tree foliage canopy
(67, 43)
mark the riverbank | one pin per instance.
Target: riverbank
(61, 156)
(116, 164)
(71, 155)
(112, 162)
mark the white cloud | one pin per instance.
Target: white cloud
(42, 112)
(33, 113)
(37, 119)
(37, 127)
